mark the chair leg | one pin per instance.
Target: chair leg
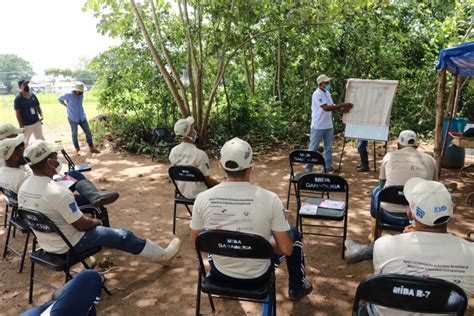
(189, 210)
(7, 240)
(212, 303)
(32, 275)
(198, 296)
(25, 248)
(288, 195)
(344, 236)
(5, 217)
(174, 219)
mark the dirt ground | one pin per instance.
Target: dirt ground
(145, 207)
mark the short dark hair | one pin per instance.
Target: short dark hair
(236, 173)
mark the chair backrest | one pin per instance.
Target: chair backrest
(301, 156)
(10, 197)
(39, 222)
(321, 182)
(185, 174)
(411, 293)
(234, 244)
(70, 163)
(161, 134)
(393, 194)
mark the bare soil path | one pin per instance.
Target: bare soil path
(145, 207)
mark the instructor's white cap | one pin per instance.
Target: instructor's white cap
(430, 201)
(236, 154)
(8, 145)
(408, 138)
(323, 78)
(8, 129)
(38, 150)
(183, 126)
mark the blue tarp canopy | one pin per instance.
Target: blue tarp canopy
(459, 60)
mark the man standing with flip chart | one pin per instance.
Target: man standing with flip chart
(321, 120)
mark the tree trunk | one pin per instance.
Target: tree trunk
(440, 108)
(229, 120)
(158, 62)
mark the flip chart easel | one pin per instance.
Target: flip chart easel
(369, 118)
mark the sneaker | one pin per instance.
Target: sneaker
(94, 150)
(307, 288)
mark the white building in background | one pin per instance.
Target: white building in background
(51, 86)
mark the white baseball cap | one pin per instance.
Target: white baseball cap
(8, 129)
(39, 149)
(236, 154)
(8, 145)
(323, 78)
(408, 138)
(79, 87)
(183, 126)
(430, 202)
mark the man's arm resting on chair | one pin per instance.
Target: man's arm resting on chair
(85, 223)
(282, 243)
(194, 236)
(210, 181)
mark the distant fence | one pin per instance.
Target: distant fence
(44, 98)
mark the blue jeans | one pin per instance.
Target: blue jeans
(294, 263)
(362, 146)
(399, 219)
(115, 238)
(315, 138)
(100, 213)
(85, 127)
(78, 298)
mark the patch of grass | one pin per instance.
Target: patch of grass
(54, 113)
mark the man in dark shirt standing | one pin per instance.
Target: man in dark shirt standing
(28, 112)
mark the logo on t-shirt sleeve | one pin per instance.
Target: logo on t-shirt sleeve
(321, 100)
(284, 214)
(207, 165)
(73, 207)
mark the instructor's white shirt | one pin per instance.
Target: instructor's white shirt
(321, 119)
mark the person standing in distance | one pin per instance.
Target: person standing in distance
(28, 112)
(321, 120)
(77, 117)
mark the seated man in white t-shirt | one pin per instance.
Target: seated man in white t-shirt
(428, 250)
(7, 130)
(187, 154)
(40, 193)
(238, 205)
(397, 167)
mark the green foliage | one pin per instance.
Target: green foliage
(276, 49)
(13, 69)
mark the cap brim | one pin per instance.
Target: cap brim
(19, 139)
(409, 186)
(55, 148)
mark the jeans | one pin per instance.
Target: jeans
(85, 127)
(77, 299)
(115, 238)
(294, 263)
(399, 219)
(362, 146)
(315, 138)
